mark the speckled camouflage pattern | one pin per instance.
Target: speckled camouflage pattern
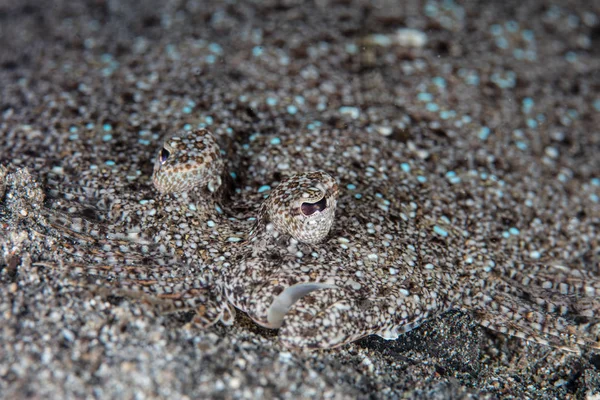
(188, 161)
(392, 260)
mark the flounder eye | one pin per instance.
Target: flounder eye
(303, 206)
(311, 208)
(164, 155)
(187, 161)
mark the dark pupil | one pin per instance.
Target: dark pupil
(164, 154)
(311, 208)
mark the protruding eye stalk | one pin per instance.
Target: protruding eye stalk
(303, 206)
(188, 161)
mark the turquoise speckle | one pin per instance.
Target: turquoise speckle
(527, 105)
(107, 127)
(505, 234)
(107, 137)
(405, 167)
(272, 101)
(425, 97)
(519, 54)
(521, 145)
(440, 231)
(299, 100)
(446, 114)
(215, 48)
(513, 231)
(597, 105)
(106, 57)
(276, 141)
(496, 30)
(210, 223)
(350, 186)
(353, 112)
(145, 142)
(472, 79)
(187, 127)
(501, 42)
(291, 109)
(264, 188)
(201, 125)
(505, 80)
(594, 197)
(512, 26)
(210, 59)
(233, 175)
(187, 110)
(422, 178)
(109, 162)
(257, 51)
(431, 9)
(596, 181)
(351, 48)
(143, 201)
(73, 129)
(219, 209)
(432, 107)
(358, 196)
(381, 40)
(528, 35)
(209, 120)
(89, 125)
(571, 56)
(535, 254)
(484, 133)
(439, 82)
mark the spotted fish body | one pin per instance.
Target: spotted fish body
(391, 253)
(350, 241)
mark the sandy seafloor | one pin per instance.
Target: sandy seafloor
(526, 73)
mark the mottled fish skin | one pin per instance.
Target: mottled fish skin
(393, 259)
(188, 161)
(350, 243)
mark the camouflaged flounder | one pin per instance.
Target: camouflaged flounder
(397, 250)
(359, 236)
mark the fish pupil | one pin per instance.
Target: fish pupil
(164, 155)
(311, 208)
